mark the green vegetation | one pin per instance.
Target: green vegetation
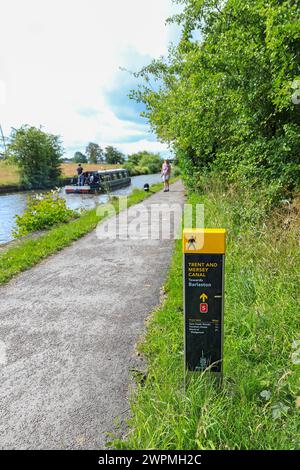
(256, 407)
(140, 163)
(37, 155)
(43, 211)
(176, 171)
(79, 157)
(113, 156)
(226, 100)
(227, 97)
(94, 153)
(143, 163)
(9, 174)
(29, 252)
(33, 160)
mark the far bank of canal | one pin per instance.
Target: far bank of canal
(15, 203)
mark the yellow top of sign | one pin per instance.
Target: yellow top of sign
(204, 240)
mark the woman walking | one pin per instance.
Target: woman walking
(166, 174)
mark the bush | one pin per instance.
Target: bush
(137, 170)
(143, 163)
(43, 211)
(263, 160)
(176, 171)
(131, 168)
(151, 161)
(143, 170)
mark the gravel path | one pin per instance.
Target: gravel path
(68, 329)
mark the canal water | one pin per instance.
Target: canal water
(15, 203)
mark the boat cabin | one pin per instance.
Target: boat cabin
(99, 181)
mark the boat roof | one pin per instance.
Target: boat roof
(104, 172)
(111, 171)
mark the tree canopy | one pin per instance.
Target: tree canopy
(150, 160)
(79, 157)
(225, 96)
(94, 153)
(113, 156)
(37, 154)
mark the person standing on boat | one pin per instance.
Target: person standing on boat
(166, 174)
(80, 174)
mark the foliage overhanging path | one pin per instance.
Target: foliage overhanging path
(71, 325)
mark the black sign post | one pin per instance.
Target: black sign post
(204, 259)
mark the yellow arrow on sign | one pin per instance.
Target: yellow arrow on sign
(203, 297)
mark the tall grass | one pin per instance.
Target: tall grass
(9, 173)
(256, 407)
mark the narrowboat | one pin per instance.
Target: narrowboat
(100, 181)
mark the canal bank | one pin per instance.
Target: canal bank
(15, 188)
(71, 325)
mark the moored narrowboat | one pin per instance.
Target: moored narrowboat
(99, 181)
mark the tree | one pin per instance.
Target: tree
(37, 154)
(100, 155)
(113, 156)
(94, 153)
(135, 158)
(224, 102)
(150, 160)
(153, 161)
(79, 158)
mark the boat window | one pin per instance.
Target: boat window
(104, 178)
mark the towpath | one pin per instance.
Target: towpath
(68, 329)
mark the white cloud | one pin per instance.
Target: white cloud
(143, 144)
(60, 56)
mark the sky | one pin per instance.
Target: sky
(60, 68)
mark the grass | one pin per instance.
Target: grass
(9, 174)
(29, 252)
(69, 169)
(262, 345)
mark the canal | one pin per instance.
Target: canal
(15, 203)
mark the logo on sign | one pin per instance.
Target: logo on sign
(203, 308)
